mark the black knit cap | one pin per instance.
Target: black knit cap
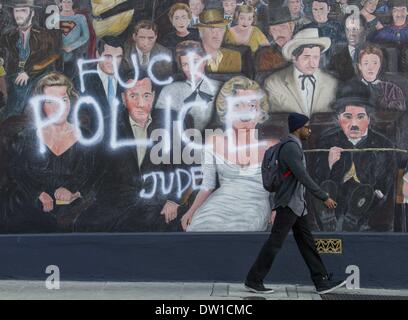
(296, 121)
(353, 93)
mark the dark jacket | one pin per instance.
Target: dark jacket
(374, 169)
(161, 70)
(44, 50)
(123, 180)
(291, 159)
(94, 88)
(341, 64)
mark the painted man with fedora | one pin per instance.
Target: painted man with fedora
(281, 29)
(29, 53)
(361, 182)
(212, 28)
(302, 87)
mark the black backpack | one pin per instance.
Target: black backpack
(272, 177)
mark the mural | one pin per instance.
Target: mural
(154, 116)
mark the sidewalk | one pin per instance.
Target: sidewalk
(29, 290)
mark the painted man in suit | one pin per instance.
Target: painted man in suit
(302, 87)
(102, 85)
(29, 52)
(327, 27)
(212, 29)
(362, 183)
(345, 56)
(132, 197)
(144, 45)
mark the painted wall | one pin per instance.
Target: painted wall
(115, 118)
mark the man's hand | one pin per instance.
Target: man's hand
(47, 202)
(170, 211)
(186, 219)
(67, 49)
(62, 194)
(22, 79)
(330, 203)
(272, 217)
(334, 156)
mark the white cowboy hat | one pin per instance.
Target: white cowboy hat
(304, 37)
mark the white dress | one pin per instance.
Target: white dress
(239, 204)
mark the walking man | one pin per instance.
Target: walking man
(291, 210)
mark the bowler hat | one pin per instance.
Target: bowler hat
(353, 93)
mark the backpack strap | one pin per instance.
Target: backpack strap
(288, 173)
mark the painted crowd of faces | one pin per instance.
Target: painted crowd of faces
(357, 154)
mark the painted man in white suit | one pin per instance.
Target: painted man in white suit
(302, 87)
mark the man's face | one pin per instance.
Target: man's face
(353, 31)
(229, 6)
(23, 16)
(305, 132)
(145, 39)
(320, 11)
(109, 53)
(281, 33)
(308, 61)
(370, 66)
(185, 66)
(212, 37)
(370, 5)
(245, 20)
(196, 7)
(67, 5)
(139, 100)
(51, 108)
(399, 15)
(294, 7)
(354, 122)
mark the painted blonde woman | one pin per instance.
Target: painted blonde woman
(245, 32)
(240, 203)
